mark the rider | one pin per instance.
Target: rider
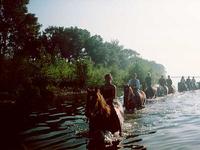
(148, 80)
(182, 79)
(135, 85)
(169, 81)
(188, 82)
(193, 82)
(108, 90)
(163, 84)
(162, 81)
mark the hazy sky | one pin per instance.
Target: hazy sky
(166, 31)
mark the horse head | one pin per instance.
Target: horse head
(129, 102)
(96, 104)
(130, 99)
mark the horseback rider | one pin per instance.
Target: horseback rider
(135, 85)
(193, 82)
(148, 80)
(169, 81)
(162, 86)
(108, 90)
(188, 82)
(182, 79)
(162, 81)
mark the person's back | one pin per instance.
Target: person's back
(148, 80)
(182, 79)
(188, 82)
(134, 83)
(193, 80)
(169, 81)
(108, 90)
(162, 81)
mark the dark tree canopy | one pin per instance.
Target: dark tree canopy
(18, 28)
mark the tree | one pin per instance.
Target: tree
(65, 42)
(18, 28)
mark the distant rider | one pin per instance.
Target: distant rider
(193, 82)
(182, 79)
(162, 81)
(169, 81)
(134, 83)
(188, 82)
(148, 80)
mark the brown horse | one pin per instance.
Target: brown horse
(101, 116)
(151, 92)
(171, 89)
(130, 101)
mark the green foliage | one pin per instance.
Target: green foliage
(96, 75)
(33, 64)
(59, 69)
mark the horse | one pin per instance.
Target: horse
(130, 101)
(162, 91)
(151, 92)
(171, 89)
(102, 117)
(182, 87)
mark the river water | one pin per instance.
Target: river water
(167, 123)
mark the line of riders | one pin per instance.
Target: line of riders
(164, 87)
(188, 84)
(106, 113)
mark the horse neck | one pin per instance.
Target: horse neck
(102, 106)
(130, 93)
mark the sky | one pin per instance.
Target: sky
(165, 31)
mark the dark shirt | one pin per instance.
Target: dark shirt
(109, 92)
(148, 81)
(162, 81)
(188, 81)
(169, 82)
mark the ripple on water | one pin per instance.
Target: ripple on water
(169, 123)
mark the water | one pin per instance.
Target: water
(169, 123)
(175, 120)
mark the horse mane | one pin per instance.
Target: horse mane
(102, 105)
(130, 92)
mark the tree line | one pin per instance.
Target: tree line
(33, 63)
